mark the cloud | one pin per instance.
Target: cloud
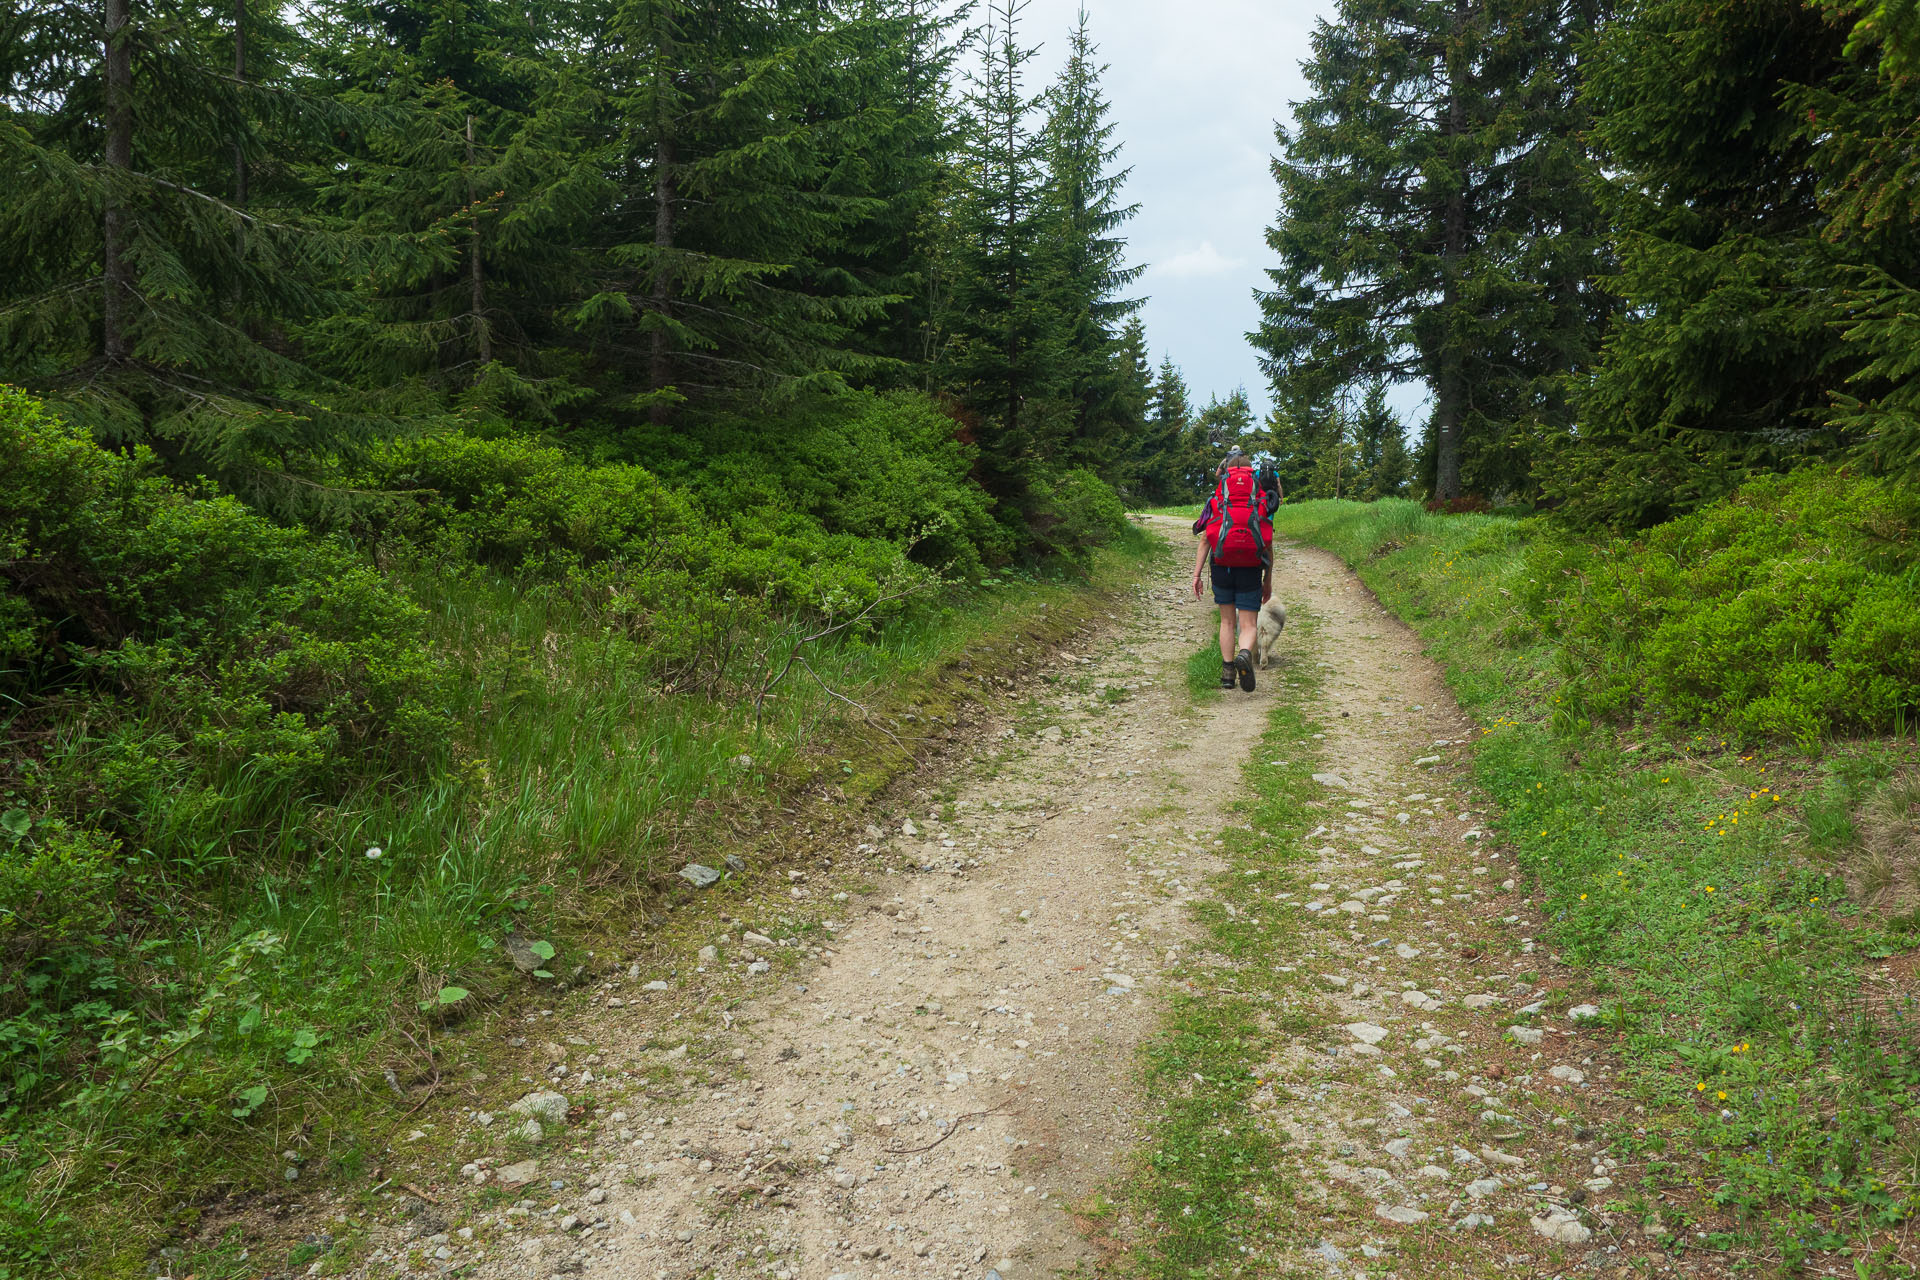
(1194, 263)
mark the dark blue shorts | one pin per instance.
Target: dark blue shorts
(1238, 587)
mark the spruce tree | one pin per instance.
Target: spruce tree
(897, 134)
(1436, 222)
(1720, 361)
(479, 170)
(715, 285)
(158, 247)
(1286, 436)
(1869, 174)
(1005, 351)
(1383, 465)
(1166, 473)
(1088, 268)
(1131, 402)
(1337, 470)
(1761, 177)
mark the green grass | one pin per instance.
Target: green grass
(578, 789)
(1203, 673)
(1781, 1080)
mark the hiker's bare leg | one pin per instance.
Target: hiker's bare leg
(1226, 632)
(1249, 629)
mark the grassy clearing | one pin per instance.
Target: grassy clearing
(580, 789)
(1212, 1190)
(1767, 1018)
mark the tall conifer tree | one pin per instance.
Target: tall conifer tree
(1384, 466)
(1761, 172)
(1005, 352)
(157, 244)
(1088, 268)
(480, 170)
(717, 287)
(898, 134)
(1161, 458)
(1436, 222)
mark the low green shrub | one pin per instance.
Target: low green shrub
(513, 503)
(885, 466)
(243, 644)
(1789, 610)
(181, 676)
(688, 584)
(1074, 513)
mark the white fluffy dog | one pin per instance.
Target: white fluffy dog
(1273, 620)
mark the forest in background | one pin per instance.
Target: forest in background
(646, 233)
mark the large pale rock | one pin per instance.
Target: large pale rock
(1562, 1226)
(544, 1105)
(1400, 1214)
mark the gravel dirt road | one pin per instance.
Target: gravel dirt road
(933, 1082)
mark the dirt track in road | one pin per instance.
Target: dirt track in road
(933, 1082)
(958, 1073)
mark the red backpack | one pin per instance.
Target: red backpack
(1242, 527)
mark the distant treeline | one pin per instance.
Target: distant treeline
(1637, 252)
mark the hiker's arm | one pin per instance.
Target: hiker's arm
(1199, 559)
(1266, 583)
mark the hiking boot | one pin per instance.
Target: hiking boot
(1244, 665)
(1228, 673)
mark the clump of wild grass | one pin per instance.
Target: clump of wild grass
(1884, 872)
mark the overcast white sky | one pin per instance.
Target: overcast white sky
(1196, 86)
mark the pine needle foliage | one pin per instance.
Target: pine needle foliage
(159, 246)
(1436, 224)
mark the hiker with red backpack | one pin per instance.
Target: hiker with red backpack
(1237, 528)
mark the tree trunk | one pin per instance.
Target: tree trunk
(476, 273)
(1450, 392)
(239, 153)
(1013, 256)
(239, 74)
(118, 159)
(660, 370)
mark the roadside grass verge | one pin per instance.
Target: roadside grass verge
(1211, 1190)
(1696, 887)
(577, 791)
(1183, 510)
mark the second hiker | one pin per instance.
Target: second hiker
(1237, 537)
